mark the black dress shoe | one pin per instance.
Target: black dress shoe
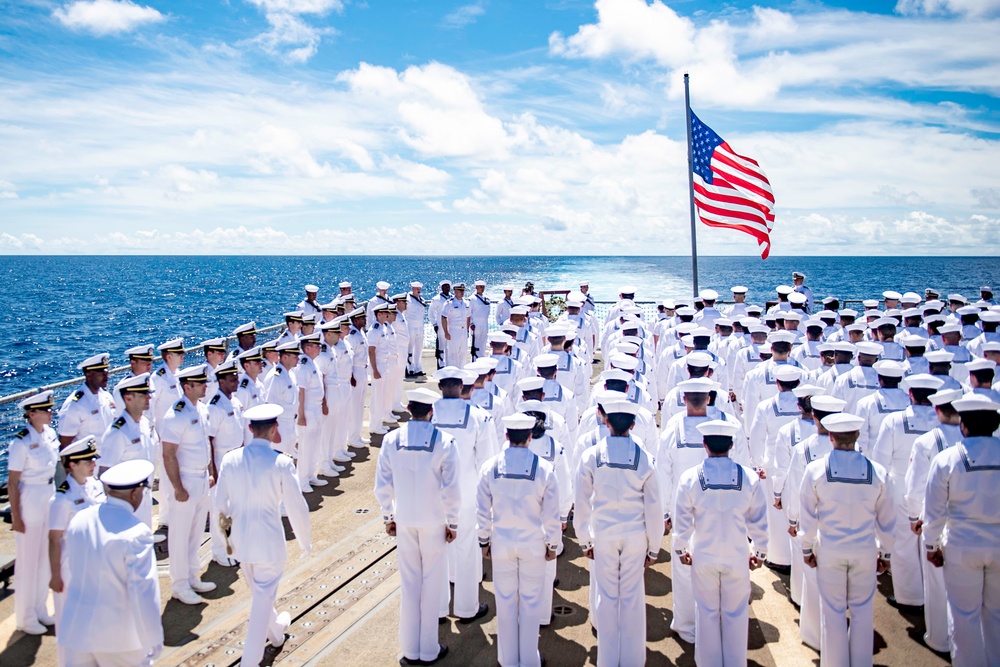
(482, 611)
(411, 661)
(442, 620)
(780, 569)
(555, 583)
(442, 652)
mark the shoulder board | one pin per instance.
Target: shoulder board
(323, 347)
(22, 433)
(302, 361)
(78, 394)
(118, 423)
(244, 383)
(178, 406)
(376, 325)
(162, 371)
(282, 454)
(215, 399)
(64, 487)
(277, 370)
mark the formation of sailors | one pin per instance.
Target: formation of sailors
(826, 444)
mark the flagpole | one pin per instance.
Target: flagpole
(694, 234)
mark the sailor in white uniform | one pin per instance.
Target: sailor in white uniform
(140, 360)
(187, 461)
(947, 433)
(475, 438)
(309, 418)
(417, 485)
(798, 280)
(336, 364)
(962, 533)
(760, 384)
(111, 616)
(246, 338)
(381, 298)
(80, 490)
(280, 388)
(255, 483)
(739, 307)
(131, 437)
(860, 381)
(504, 305)
(508, 371)
(90, 409)
(847, 522)
(519, 530)
(215, 351)
(982, 374)
(309, 305)
(31, 468)
(719, 504)
(380, 351)
(250, 388)
(807, 352)
(989, 320)
(915, 348)
(434, 310)
(416, 313)
(293, 327)
(707, 316)
(166, 390)
(357, 339)
(456, 317)
(619, 521)
(479, 323)
(398, 315)
(226, 429)
(875, 407)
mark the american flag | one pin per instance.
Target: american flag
(730, 190)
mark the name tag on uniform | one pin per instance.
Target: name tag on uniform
(94, 412)
(194, 421)
(230, 414)
(135, 440)
(289, 386)
(173, 386)
(78, 501)
(34, 446)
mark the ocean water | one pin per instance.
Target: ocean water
(57, 311)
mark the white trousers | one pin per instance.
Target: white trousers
(334, 423)
(423, 573)
(396, 401)
(286, 429)
(263, 579)
(907, 576)
(456, 350)
(846, 581)
(378, 411)
(795, 580)
(778, 550)
(518, 580)
(809, 625)
(722, 601)
(187, 525)
(218, 537)
(465, 565)
(310, 439)
(356, 411)
(682, 592)
(972, 578)
(31, 549)
(415, 350)
(479, 339)
(621, 600)
(545, 608)
(76, 658)
(165, 492)
(937, 620)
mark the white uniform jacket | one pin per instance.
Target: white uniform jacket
(518, 500)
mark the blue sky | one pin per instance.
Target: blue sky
(341, 126)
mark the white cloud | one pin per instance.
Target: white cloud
(106, 17)
(7, 190)
(970, 7)
(299, 6)
(464, 15)
(290, 37)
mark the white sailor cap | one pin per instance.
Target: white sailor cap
(787, 373)
(804, 390)
(934, 304)
(957, 298)
(626, 289)
(382, 285)
(697, 386)
(584, 283)
(615, 374)
(687, 341)
(796, 297)
(685, 311)
(939, 357)
(718, 428)
(914, 342)
(417, 283)
(814, 322)
(509, 327)
(758, 328)
(883, 322)
(357, 312)
(546, 360)
(491, 363)
(922, 381)
(506, 288)
(128, 474)
(310, 319)
(311, 288)
(945, 396)
(828, 404)
(444, 282)
(870, 304)
(708, 294)
(764, 349)
(621, 407)
(330, 307)
(781, 337)
(344, 285)
(479, 283)
(968, 310)
(556, 331)
(477, 368)
(347, 298)
(867, 347)
(98, 362)
(992, 346)
(531, 383)
(264, 412)
(981, 365)
(950, 328)
(607, 396)
(310, 338)
(574, 303)
(520, 310)
(40, 401)
(214, 345)
(822, 348)
(518, 422)
(845, 347)
(783, 289)
(332, 325)
(890, 294)
(198, 373)
(912, 312)
(134, 384)
(934, 319)
(848, 312)
(84, 449)
(499, 337)
(842, 422)
(533, 406)
(701, 332)
(255, 353)
(857, 326)
(752, 308)
(698, 360)
(911, 297)
(449, 373)
(739, 289)
(827, 315)
(421, 395)
(245, 329)
(990, 316)
(889, 368)
(830, 299)
(624, 362)
(291, 347)
(986, 288)
(791, 315)
(686, 327)
(894, 313)
(627, 348)
(975, 402)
